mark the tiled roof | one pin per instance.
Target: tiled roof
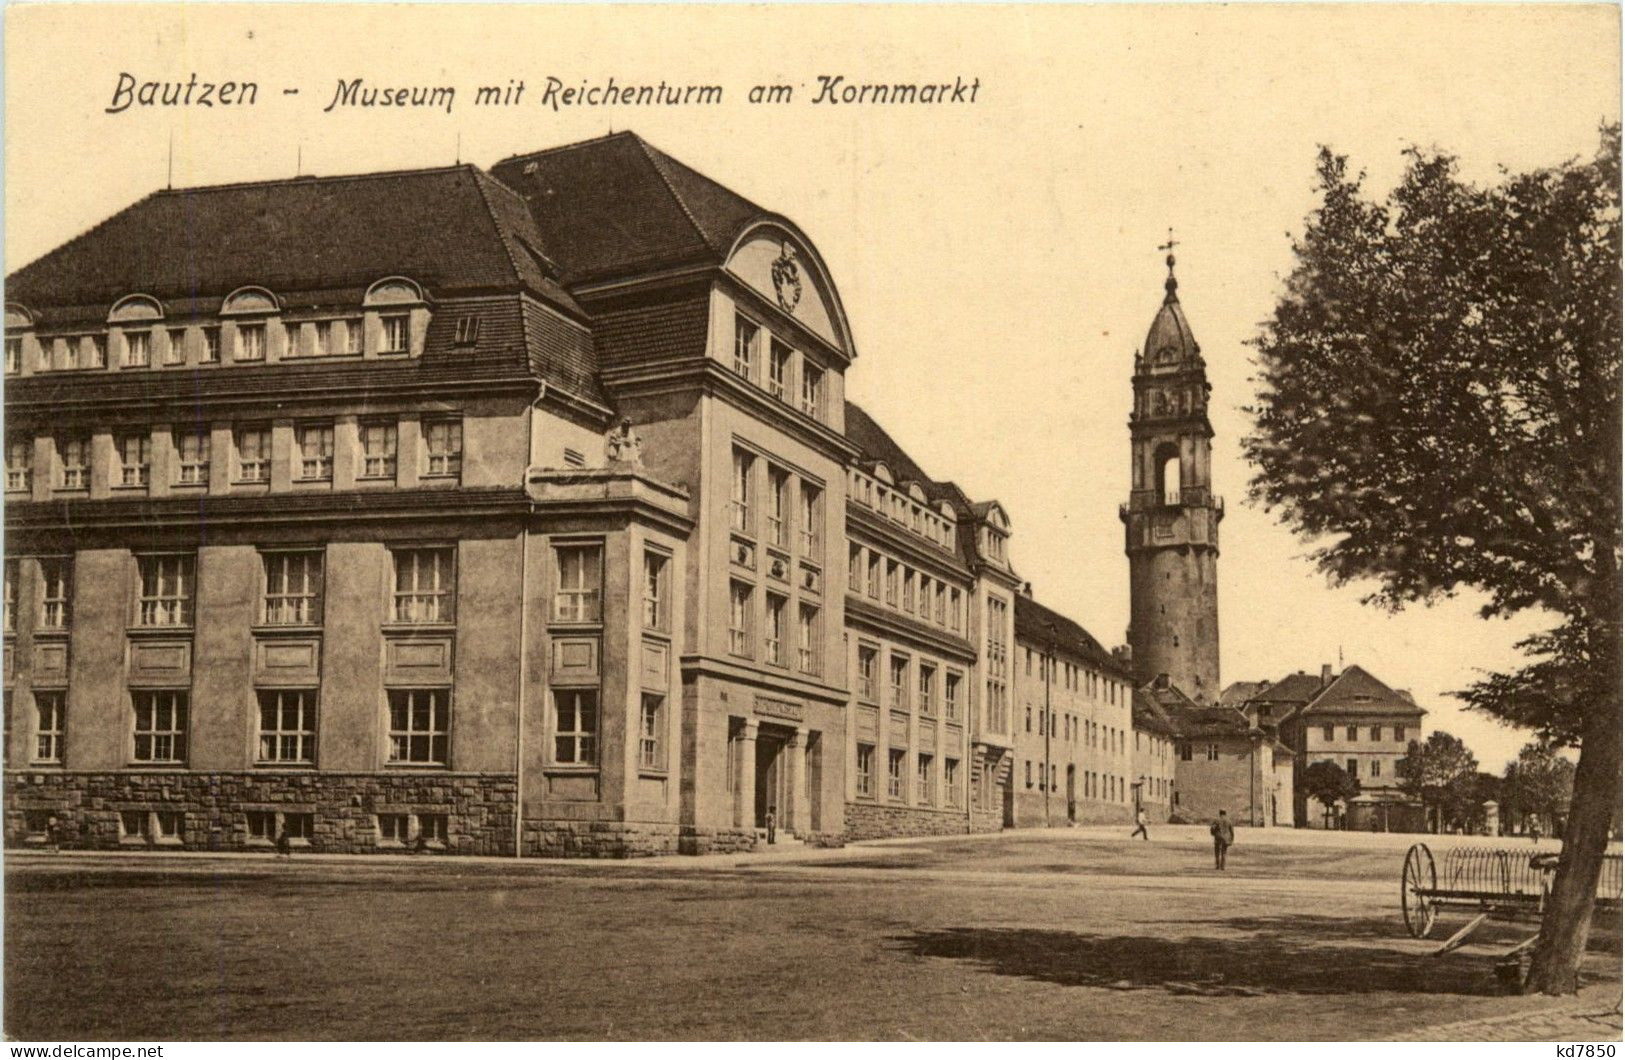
(1355, 691)
(877, 446)
(1054, 632)
(619, 206)
(1239, 692)
(1193, 720)
(1150, 717)
(1300, 687)
(450, 229)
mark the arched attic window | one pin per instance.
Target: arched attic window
(248, 310)
(132, 319)
(396, 315)
(19, 325)
(1169, 483)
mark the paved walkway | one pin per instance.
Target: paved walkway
(1592, 1017)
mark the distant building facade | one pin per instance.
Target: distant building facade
(1349, 718)
(1074, 730)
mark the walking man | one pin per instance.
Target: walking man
(1139, 827)
(1223, 836)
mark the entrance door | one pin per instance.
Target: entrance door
(768, 781)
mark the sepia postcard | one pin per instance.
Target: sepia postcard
(811, 523)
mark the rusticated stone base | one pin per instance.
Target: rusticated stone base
(344, 808)
(867, 820)
(716, 841)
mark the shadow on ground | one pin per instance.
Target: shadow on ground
(1276, 955)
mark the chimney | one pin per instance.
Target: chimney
(1027, 590)
(1325, 674)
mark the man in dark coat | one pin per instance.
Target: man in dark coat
(1223, 836)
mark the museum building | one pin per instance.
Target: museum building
(513, 512)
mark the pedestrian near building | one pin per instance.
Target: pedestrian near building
(1223, 835)
(1139, 827)
(772, 827)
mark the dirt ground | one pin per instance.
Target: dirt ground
(1071, 935)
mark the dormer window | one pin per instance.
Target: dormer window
(175, 346)
(137, 349)
(250, 342)
(14, 355)
(396, 332)
(323, 345)
(468, 331)
(211, 346)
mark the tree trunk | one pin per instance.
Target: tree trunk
(1566, 925)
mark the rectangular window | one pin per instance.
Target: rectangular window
(778, 506)
(14, 356)
(1184, 752)
(950, 781)
(378, 448)
(75, 454)
(323, 344)
(1212, 752)
(1327, 733)
(894, 774)
(315, 452)
(868, 677)
(942, 604)
(812, 389)
(288, 725)
(807, 639)
(292, 340)
(160, 726)
(468, 331)
(950, 696)
(135, 459)
(773, 629)
(925, 793)
(56, 589)
(19, 464)
(1029, 771)
(419, 724)
(50, 709)
(95, 351)
(395, 332)
(137, 349)
(778, 370)
(739, 608)
(175, 346)
(299, 827)
(854, 567)
(894, 580)
(1376, 733)
(873, 585)
(1376, 767)
(166, 590)
(581, 578)
(192, 456)
(254, 454)
(354, 330)
(261, 826)
(395, 829)
(211, 345)
(812, 509)
(575, 726)
(432, 830)
(1353, 733)
(744, 468)
(11, 604)
(1399, 733)
(1353, 768)
(866, 771)
(899, 682)
(652, 732)
(953, 610)
(293, 589)
(444, 439)
(425, 585)
(928, 689)
(746, 337)
(250, 342)
(655, 608)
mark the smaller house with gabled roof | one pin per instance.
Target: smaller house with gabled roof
(1351, 718)
(1224, 760)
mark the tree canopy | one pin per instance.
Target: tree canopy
(1443, 774)
(1329, 784)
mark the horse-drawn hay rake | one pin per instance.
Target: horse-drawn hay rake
(1493, 882)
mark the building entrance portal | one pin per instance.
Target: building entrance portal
(769, 778)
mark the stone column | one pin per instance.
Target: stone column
(795, 763)
(745, 777)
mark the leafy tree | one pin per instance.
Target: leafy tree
(1442, 773)
(1539, 783)
(1439, 409)
(1329, 784)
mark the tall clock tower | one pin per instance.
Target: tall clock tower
(1171, 521)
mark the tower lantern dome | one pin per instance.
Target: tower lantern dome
(1170, 339)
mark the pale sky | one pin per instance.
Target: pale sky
(998, 260)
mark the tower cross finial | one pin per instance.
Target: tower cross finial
(1171, 284)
